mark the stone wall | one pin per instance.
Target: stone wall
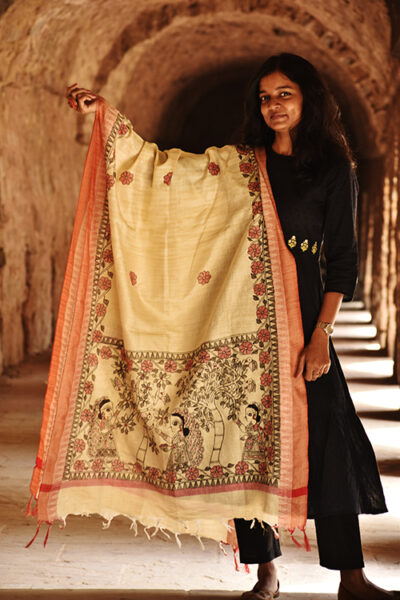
(160, 62)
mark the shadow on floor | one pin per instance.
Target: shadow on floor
(381, 415)
(142, 595)
(389, 466)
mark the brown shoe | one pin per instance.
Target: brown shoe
(260, 595)
(344, 594)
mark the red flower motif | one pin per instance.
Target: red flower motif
(126, 178)
(123, 129)
(254, 232)
(108, 255)
(105, 283)
(213, 168)
(189, 364)
(92, 360)
(147, 366)
(79, 465)
(79, 445)
(241, 467)
(167, 178)
(97, 336)
(262, 468)
(109, 181)
(242, 149)
(101, 310)
(254, 186)
(268, 427)
(266, 401)
(97, 465)
(246, 347)
(137, 468)
(88, 387)
(266, 379)
(86, 415)
(170, 366)
(262, 312)
(224, 352)
(217, 471)
(257, 208)
(170, 476)
(270, 454)
(254, 250)
(133, 277)
(117, 465)
(105, 352)
(153, 473)
(128, 361)
(204, 277)
(265, 357)
(203, 356)
(192, 473)
(263, 335)
(257, 267)
(259, 289)
(246, 167)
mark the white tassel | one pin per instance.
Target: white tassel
(178, 541)
(200, 542)
(147, 533)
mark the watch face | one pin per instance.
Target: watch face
(329, 329)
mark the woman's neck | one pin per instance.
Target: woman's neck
(282, 143)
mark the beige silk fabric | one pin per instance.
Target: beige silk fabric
(171, 394)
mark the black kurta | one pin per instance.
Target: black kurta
(343, 478)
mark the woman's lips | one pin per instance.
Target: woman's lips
(278, 116)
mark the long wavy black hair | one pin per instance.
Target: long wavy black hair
(320, 136)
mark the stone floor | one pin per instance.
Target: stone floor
(85, 561)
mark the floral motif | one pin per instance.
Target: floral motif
(126, 178)
(263, 467)
(314, 248)
(88, 387)
(266, 401)
(105, 352)
(268, 427)
(147, 366)
(109, 181)
(97, 465)
(79, 445)
(101, 309)
(257, 267)
(108, 255)
(92, 360)
(117, 465)
(254, 232)
(265, 357)
(266, 379)
(192, 473)
(242, 149)
(217, 471)
(167, 178)
(86, 415)
(204, 277)
(170, 366)
(262, 312)
(79, 465)
(105, 283)
(254, 250)
(257, 208)
(123, 129)
(259, 289)
(263, 335)
(224, 352)
(97, 336)
(203, 356)
(292, 242)
(137, 468)
(133, 277)
(246, 167)
(270, 454)
(153, 473)
(189, 364)
(304, 245)
(170, 476)
(246, 347)
(254, 186)
(213, 168)
(241, 467)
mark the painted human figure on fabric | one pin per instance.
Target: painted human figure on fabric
(184, 444)
(101, 437)
(254, 439)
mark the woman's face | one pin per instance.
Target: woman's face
(281, 102)
(176, 423)
(251, 414)
(106, 411)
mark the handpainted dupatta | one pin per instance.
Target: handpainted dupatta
(171, 396)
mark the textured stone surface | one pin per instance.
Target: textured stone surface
(178, 69)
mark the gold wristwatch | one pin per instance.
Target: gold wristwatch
(327, 327)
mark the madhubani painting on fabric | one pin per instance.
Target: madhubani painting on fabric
(170, 397)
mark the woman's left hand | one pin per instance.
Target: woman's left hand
(314, 359)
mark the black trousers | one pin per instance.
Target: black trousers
(338, 538)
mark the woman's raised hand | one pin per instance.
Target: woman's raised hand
(81, 99)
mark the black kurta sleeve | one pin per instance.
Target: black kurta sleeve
(340, 244)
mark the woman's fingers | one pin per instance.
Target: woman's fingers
(81, 99)
(300, 364)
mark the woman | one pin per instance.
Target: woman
(291, 114)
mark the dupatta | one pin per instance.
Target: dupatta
(171, 396)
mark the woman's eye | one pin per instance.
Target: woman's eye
(264, 99)
(285, 94)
